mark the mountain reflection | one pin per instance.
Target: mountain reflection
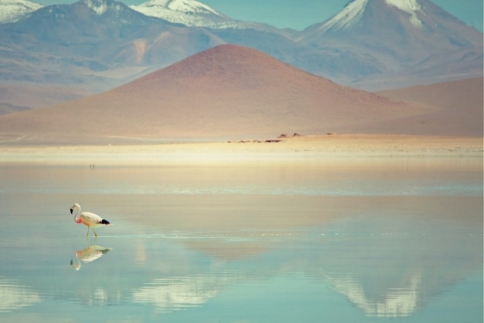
(392, 266)
(15, 296)
(384, 274)
(398, 302)
(388, 266)
(178, 292)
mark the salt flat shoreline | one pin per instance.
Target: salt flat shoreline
(334, 147)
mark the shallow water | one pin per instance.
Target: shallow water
(363, 241)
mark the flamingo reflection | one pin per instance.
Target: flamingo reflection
(89, 254)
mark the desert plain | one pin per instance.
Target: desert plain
(233, 103)
(280, 149)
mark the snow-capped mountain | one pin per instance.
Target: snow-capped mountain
(392, 37)
(398, 22)
(14, 10)
(186, 12)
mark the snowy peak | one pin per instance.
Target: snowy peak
(101, 6)
(409, 6)
(355, 10)
(14, 10)
(186, 12)
(98, 6)
(186, 6)
(348, 17)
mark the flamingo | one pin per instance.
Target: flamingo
(89, 219)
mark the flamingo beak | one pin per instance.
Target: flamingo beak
(71, 211)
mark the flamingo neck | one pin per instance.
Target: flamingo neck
(76, 218)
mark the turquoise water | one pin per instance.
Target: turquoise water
(318, 243)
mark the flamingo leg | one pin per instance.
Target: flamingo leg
(88, 239)
(94, 232)
(87, 231)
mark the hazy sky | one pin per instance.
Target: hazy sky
(299, 14)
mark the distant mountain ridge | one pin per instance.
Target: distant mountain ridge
(95, 45)
(192, 13)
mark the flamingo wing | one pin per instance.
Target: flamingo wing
(92, 220)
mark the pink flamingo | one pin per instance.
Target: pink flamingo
(89, 219)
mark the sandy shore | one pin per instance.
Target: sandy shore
(302, 148)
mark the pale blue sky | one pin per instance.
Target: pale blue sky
(299, 14)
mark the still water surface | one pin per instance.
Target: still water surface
(393, 240)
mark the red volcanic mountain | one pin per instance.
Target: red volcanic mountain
(227, 91)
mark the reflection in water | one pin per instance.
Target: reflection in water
(385, 263)
(14, 296)
(88, 254)
(100, 297)
(384, 274)
(169, 294)
(398, 302)
(357, 256)
(393, 266)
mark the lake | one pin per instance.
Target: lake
(368, 240)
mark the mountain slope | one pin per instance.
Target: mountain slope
(81, 22)
(459, 106)
(14, 10)
(227, 91)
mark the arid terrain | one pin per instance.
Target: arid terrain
(228, 92)
(232, 102)
(327, 148)
(231, 93)
(459, 108)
